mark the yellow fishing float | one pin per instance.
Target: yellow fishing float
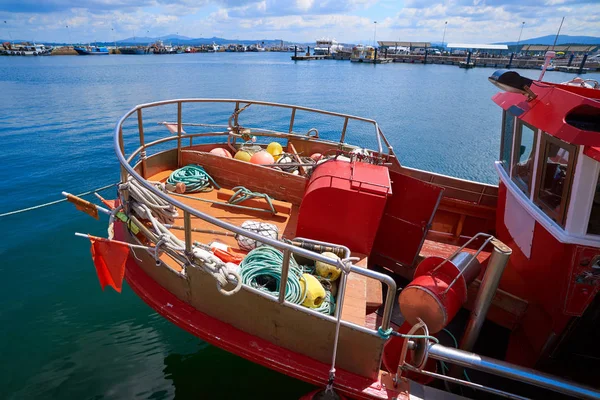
(328, 271)
(275, 150)
(315, 293)
(243, 156)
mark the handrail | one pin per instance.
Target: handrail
(189, 211)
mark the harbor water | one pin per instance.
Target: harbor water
(61, 336)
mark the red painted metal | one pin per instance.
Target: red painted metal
(549, 110)
(408, 213)
(344, 203)
(240, 343)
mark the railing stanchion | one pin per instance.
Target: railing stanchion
(141, 134)
(292, 120)
(179, 135)
(343, 137)
(187, 226)
(285, 268)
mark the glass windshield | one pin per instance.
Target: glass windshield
(524, 154)
(553, 181)
(507, 139)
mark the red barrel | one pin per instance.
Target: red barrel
(430, 297)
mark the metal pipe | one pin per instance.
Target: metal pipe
(343, 137)
(582, 65)
(472, 385)
(141, 135)
(510, 371)
(179, 135)
(285, 268)
(487, 290)
(292, 120)
(187, 225)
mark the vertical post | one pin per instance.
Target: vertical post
(295, 51)
(487, 290)
(425, 60)
(285, 267)
(375, 55)
(385, 53)
(468, 58)
(124, 192)
(344, 130)
(141, 134)
(179, 134)
(571, 57)
(292, 120)
(583, 60)
(510, 61)
(308, 50)
(187, 226)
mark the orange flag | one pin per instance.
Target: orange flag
(109, 259)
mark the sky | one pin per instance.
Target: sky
(348, 21)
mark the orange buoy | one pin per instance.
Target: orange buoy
(218, 151)
(316, 157)
(262, 158)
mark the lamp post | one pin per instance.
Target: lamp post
(375, 33)
(444, 36)
(69, 33)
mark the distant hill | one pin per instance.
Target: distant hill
(562, 39)
(186, 41)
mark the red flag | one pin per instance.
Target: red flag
(109, 259)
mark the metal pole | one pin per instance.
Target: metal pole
(444, 37)
(511, 371)
(179, 129)
(468, 58)
(520, 33)
(285, 268)
(295, 51)
(187, 225)
(487, 290)
(376, 55)
(511, 58)
(141, 134)
(585, 56)
(571, 59)
(375, 34)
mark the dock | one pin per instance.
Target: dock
(308, 58)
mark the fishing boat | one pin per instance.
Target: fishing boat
(133, 50)
(326, 46)
(91, 50)
(289, 248)
(24, 49)
(159, 47)
(362, 53)
(255, 48)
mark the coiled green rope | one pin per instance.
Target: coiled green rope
(195, 178)
(261, 269)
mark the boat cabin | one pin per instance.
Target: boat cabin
(548, 207)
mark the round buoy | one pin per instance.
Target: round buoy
(262, 158)
(218, 151)
(275, 150)
(315, 293)
(328, 271)
(316, 157)
(243, 156)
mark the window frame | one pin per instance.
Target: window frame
(560, 217)
(518, 133)
(507, 167)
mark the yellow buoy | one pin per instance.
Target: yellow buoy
(328, 271)
(243, 156)
(315, 293)
(275, 150)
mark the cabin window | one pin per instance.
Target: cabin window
(555, 170)
(594, 224)
(524, 156)
(508, 124)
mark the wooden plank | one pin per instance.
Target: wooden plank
(355, 297)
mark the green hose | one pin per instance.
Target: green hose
(195, 178)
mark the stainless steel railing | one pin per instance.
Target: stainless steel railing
(127, 170)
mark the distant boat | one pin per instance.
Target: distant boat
(255, 47)
(325, 47)
(159, 47)
(91, 50)
(133, 50)
(359, 53)
(24, 49)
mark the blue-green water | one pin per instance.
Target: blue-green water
(60, 335)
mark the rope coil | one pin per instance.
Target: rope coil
(195, 178)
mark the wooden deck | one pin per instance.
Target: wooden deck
(355, 299)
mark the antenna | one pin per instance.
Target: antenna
(558, 33)
(550, 54)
